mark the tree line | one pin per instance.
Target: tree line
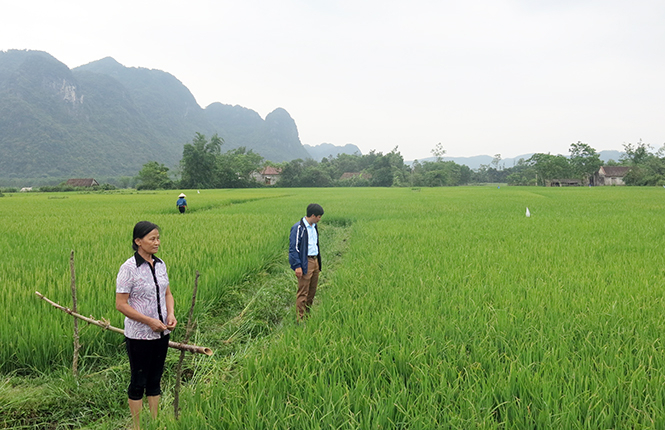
(647, 167)
(204, 165)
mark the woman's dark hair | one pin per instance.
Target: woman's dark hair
(141, 229)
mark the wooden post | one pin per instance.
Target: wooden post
(107, 326)
(188, 332)
(77, 344)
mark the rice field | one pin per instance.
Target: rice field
(39, 231)
(448, 307)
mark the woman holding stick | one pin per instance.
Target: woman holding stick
(143, 295)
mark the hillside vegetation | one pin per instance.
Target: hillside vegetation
(105, 119)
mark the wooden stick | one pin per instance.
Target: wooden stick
(188, 332)
(107, 326)
(190, 325)
(77, 344)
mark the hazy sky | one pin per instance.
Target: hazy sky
(479, 76)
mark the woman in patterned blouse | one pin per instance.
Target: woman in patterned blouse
(143, 295)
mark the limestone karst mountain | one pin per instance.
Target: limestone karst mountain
(105, 119)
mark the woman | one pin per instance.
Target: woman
(143, 295)
(181, 203)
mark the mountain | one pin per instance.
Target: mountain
(318, 152)
(167, 105)
(275, 138)
(105, 119)
(608, 155)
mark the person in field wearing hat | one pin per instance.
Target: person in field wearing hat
(181, 203)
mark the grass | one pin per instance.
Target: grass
(443, 308)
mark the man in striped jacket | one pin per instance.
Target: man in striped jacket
(305, 257)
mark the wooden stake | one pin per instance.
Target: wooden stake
(77, 345)
(107, 326)
(188, 332)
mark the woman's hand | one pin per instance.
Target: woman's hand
(170, 312)
(122, 304)
(156, 325)
(171, 322)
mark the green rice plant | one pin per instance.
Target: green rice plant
(446, 308)
(39, 233)
(452, 309)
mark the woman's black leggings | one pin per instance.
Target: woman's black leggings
(146, 361)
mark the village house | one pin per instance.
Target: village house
(82, 182)
(610, 175)
(564, 183)
(268, 175)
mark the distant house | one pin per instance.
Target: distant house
(358, 175)
(84, 182)
(564, 183)
(268, 175)
(610, 175)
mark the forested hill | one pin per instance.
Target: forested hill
(105, 119)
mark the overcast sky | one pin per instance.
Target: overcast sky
(482, 77)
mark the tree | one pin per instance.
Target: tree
(375, 169)
(198, 162)
(387, 170)
(584, 160)
(126, 181)
(523, 173)
(481, 174)
(638, 153)
(346, 163)
(314, 177)
(550, 167)
(438, 151)
(234, 168)
(495, 161)
(439, 174)
(290, 176)
(154, 176)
